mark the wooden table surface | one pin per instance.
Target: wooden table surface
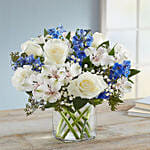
(115, 131)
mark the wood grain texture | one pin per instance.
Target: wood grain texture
(115, 131)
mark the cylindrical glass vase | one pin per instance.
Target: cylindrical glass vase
(74, 127)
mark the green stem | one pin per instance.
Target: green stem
(69, 125)
(83, 128)
(80, 122)
(62, 129)
(86, 130)
(75, 122)
(73, 118)
(86, 118)
(59, 127)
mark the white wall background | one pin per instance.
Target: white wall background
(22, 19)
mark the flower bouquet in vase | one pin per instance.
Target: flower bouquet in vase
(71, 72)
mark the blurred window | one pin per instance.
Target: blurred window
(128, 22)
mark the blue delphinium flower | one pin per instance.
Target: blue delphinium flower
(56, 33)
(29, 60)
(37, 65)
(21, 61)
(81, 54)
(126, 66)
(117, 70)
(103, 95)
(82, 40)
(120, 69)
(127, 63)
(15, 66)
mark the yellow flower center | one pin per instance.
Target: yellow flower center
(87, 85)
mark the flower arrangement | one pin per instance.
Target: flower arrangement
(69, 71)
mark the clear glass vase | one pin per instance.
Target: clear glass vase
(74, 127)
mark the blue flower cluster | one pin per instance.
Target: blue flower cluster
(82, 40)
(56, 33)
(103, 95)
(120, 69)
(29, 60)
(116, 72)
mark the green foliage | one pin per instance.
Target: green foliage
(41, 46)
(45, 32)
(95, 102)
(69, 108)
(29, 93)
(14, 56)
(89, 31)
(42, 59)
(50, 105)
(79, 103)
(112, 52)
(24, 55)
(33, 105)
(131, 81)
(104, 45)
(114, 100)
(68, 35)
(88, 62)
(133, 72)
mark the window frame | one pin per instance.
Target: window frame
(104, 29)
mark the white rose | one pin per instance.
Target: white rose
(55, 51)
(98, 38)
(20, 79)
(75, 69)
(87, 85)
(30, 47)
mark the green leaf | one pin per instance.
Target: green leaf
(131, 81)
(114, 100)
(24, 55)
(14, 56)
(41, 45)
(45, 32)
(104, 45)
(95, 102)
(133, 72)
(79, 103)
(50, 105)
(68, 35)
(87, 61)
(29, 93)
(42, 59)
(112, 52)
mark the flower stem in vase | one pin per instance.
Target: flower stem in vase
(77, 120)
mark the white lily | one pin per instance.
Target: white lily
(101, 57)
(123, 85)
(49, 90)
